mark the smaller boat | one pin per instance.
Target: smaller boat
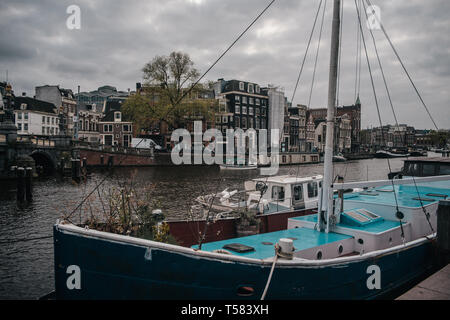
(423, 167)
(418, 153)
(339, 158)
(238, 166)
(271, 200)
(383, 154)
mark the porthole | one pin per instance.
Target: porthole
(245, 291)
(340, 249)
(319, 255)
(390, 240)
(360, 241)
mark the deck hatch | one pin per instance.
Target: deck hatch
(424, 199)
(438, 195)
(357, 216)
(238, 247)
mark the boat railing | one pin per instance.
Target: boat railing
(378, 183)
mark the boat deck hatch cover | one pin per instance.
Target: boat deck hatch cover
(423, 199)
(238, 247)
(439, 195)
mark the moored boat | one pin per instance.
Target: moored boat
(357, 246)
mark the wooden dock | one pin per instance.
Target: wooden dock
(435, 287)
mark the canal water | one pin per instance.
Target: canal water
(26, 246)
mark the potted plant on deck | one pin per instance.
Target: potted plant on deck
(247, 223)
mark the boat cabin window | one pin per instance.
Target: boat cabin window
(277, 193)
(428, 169)
(412, 169)
(444, 169)
(297, 192)
(313, 190)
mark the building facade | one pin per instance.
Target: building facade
(246, 105)
(114, 129)
(35, 117)
(66, 105)
(89, 117)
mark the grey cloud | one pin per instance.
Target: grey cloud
(118, 37)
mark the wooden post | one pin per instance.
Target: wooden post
(443, 231)
(29, 184)
(76, 169)
(20, 184)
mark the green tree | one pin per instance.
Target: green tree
(169, 94)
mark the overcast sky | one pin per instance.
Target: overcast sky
(117, 38)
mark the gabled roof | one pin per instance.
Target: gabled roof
(109, 109)
(34, 104)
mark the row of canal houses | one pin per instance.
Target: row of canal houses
(96, 116)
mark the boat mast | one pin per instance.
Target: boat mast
(327, 194)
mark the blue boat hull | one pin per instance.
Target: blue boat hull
(111, 269)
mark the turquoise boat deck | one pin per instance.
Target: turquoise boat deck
(407, 195)
(263, 244)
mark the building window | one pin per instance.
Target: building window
(250, 100)
(257, 123)
(117, 116)
(244, 123)
(250, 122)
(257, 101)
(53, 120)
(19, 115)
(244, 100)
(244, 110)
(237, 122)
(250, 88)
(43, 130)
(241, 86)
(250, 110)
(225, 119)
(43, 119)
(237, 99)
(25, 127)
(19, 126)
(126, 140)
(237, 109)
(26, 115)
(257, 89)
(126, 128)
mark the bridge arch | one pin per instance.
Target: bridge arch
(42, 158)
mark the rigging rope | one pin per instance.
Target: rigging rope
(378, 112)
(306, 52)
(317, 55)
(395, 116)
(404, 68)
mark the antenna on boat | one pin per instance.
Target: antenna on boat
(327, 194)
